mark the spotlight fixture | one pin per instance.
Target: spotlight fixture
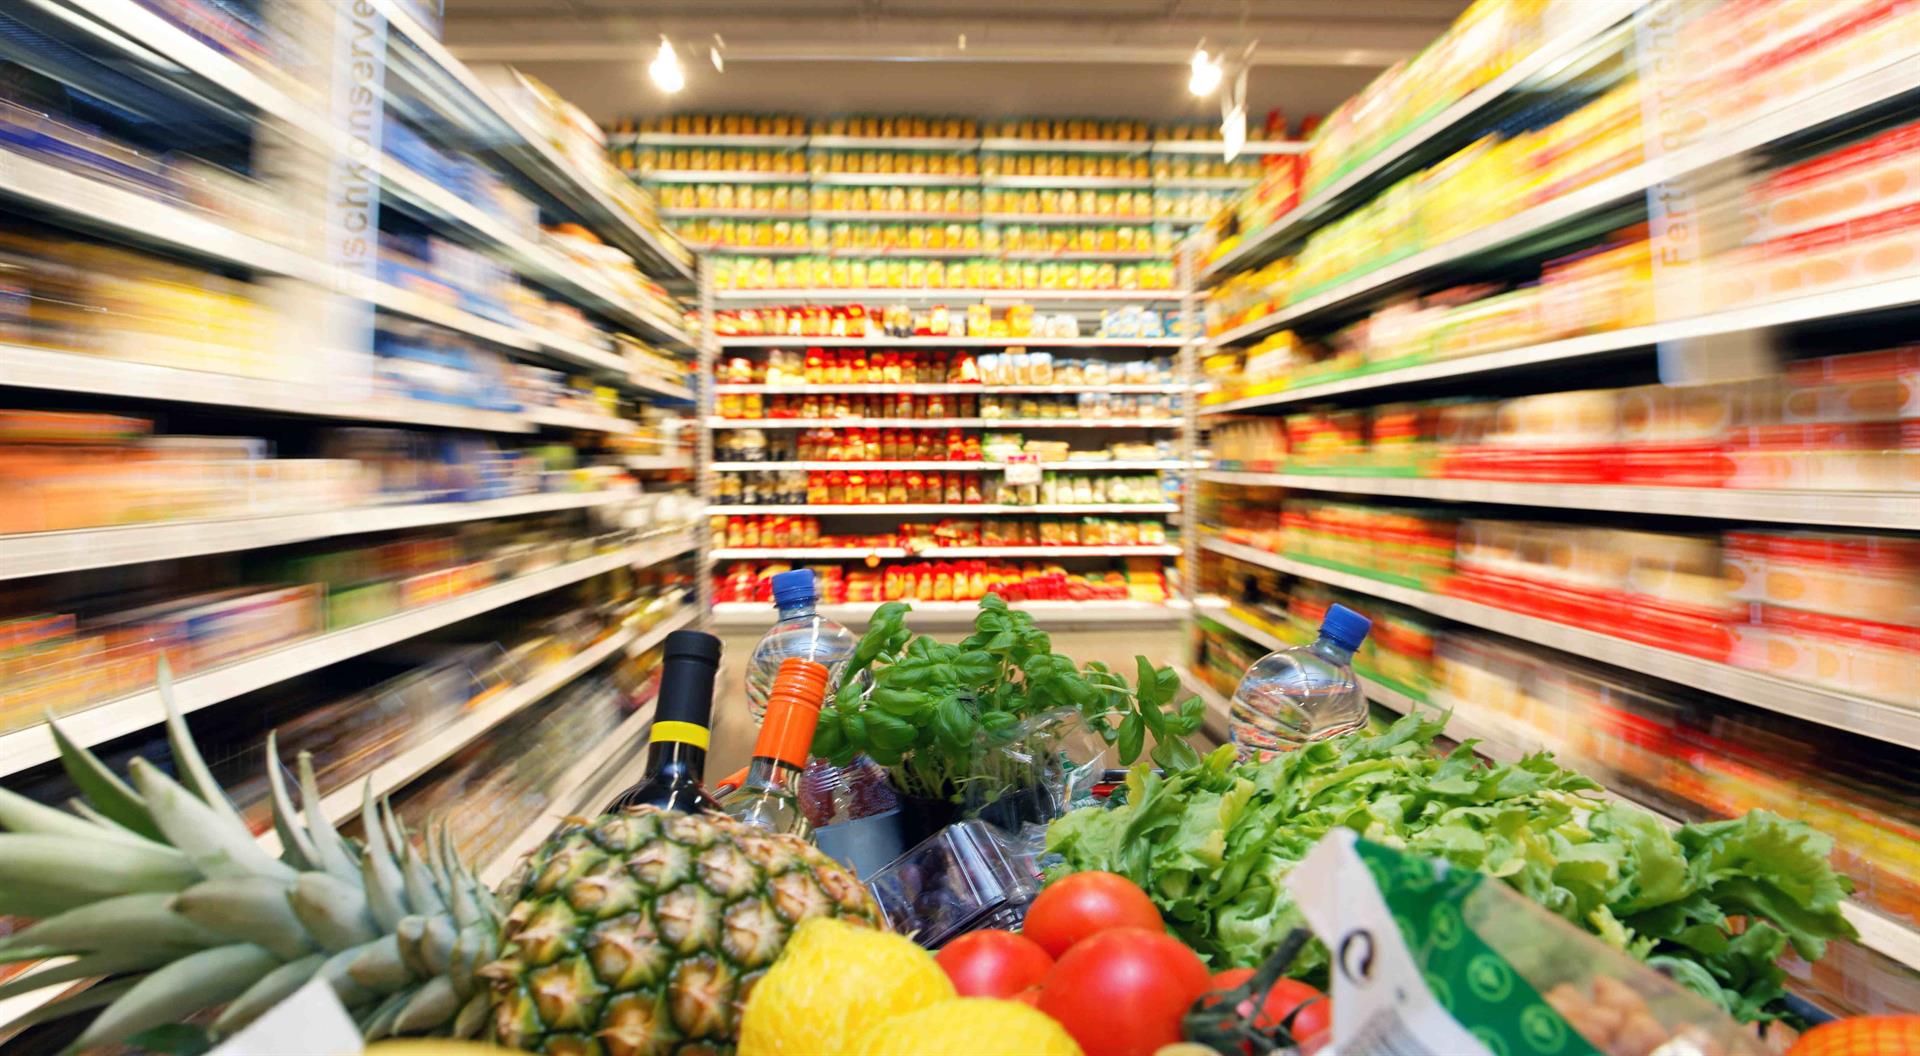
(1206, 73)
(665, 68)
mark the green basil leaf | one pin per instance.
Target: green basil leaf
(898, 701)
(1133, 735)
(890, 732)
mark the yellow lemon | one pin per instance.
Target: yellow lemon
(832, 982)
(968, 1026)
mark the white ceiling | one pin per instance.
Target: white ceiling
(817, 57)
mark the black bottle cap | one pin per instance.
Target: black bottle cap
(694, 645)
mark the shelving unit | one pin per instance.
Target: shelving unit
(105, 721)
(304, 374)
(716, 422)
(1801, 120)
(729, 614)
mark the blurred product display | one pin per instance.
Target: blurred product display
(1510, 476)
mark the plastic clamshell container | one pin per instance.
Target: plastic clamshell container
(963, 878)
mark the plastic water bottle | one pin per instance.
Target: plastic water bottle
(1302, 694)
(802, 632)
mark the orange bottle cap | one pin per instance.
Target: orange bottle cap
(793, 710)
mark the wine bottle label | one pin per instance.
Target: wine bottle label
(685, 732)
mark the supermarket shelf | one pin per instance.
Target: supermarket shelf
(581, 353)
(895, 214)
(39, 368)
(567, 791)
(1015, 145)
(76, 199)
(721, 176)
(892, 179)
(749, 341)
(1216, 147)
(1071, 219)
(106, 721)
(396, 773)
(527, 150)
(1076, 254)
(954, 143)
(1206, 183)
(847, 296)
(1866, 90)
(419, 306)
(1879, 296)
(672, 390)
(745, 614)
(943, 423)
(1884, 934)
(678, 139)
(956, 465)
(1870, 718)
(558, 418)
(931, 389)
(902, 508)
(1853, 509)
(1596, 19)
(859, 553)
(48, 553)
(737, 213)
(1118, 183)
(658, 462)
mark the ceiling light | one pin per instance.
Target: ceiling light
(719, 62)
(1206, 73)
(665, 69)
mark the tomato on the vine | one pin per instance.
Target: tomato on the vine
(1081, 904)
(993, 963)
(1123, 991)
(1312, 1028)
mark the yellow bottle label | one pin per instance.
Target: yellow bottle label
(684, 732)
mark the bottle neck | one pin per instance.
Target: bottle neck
(1326, 647)
(771, 774)
(676, 760)
(798, 608)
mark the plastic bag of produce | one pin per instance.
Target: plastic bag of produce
(1429, 959)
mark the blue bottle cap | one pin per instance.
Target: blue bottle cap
(1346, 627)
(793, 588)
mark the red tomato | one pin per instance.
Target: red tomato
(1080, 904)
(1311, 1029)
(993, 963)
(1030, 997)
(1123, 991)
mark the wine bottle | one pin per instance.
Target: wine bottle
(769, 798)
(682, 718)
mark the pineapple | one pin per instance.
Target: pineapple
(633, 934)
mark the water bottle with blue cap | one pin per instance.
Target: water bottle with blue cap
(1306, 693)
(799, 631)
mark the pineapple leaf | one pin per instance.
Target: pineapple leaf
(247, 909)
(91, 966)
(102, 993)
(331, 853)
(379, 1023)
(111, 923)
(176, 991)
(20, 814)
(186, 755)
(108, 794)
(295, 848)
(381, 967)
(423, 892)
(473, 1016)
(218, 846)
(432, 1006)
(379, 873)
(276, 986)
(333, 972)
(334, 912)
(396, 832)
(41, 876)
